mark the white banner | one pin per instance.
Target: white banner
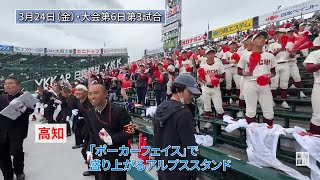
(113, 64)
(170, 35)
(290, 12)
(171, 27)
(59, 51)
(194, 40)
(172, 19)
(88, 51)
(84, 72)
(28, 50)
(154, 51)
(113, 51)
(45, 82)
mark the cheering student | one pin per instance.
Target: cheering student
(13, 132)
(160, 79)
(69, 102)
(141, 84)
(109, 125)
(174, 126)
(82, 124)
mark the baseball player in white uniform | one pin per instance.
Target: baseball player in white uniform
(316, 43)
(230, 67)
(312, 63)
(252, 91)
(186, 66)
(209, 91)
(293, 67)
(220, 52)
(202, 55)
(303, 31)
(283, 70)
(248, 44)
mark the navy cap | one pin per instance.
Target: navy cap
(188, 81)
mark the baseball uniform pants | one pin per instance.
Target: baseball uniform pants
(214, 95)
(294, 72)
(254, 93)
(231, 73)
(282, 76)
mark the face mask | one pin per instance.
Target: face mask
(181, 98)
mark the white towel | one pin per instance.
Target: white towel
(204, 140)
(262, 147)
(151, 111)
(232, 124)
(309, 144)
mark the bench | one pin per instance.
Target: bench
(239, 169)
(151, 101)
(146, 128)
(133, 98)
(294, 102)
(120, 103)
(139, 111)
(286, 115)
(135, 174)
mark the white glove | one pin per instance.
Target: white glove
(89, 156)
(75, 112)
(67, 118)
(45, 106)
(23, 109)
(105, 137)
(57, 101)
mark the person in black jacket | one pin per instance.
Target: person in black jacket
(141, 83)
(13, 132)
(174, 126)
(47, 101)
(83, 124)
(111, 126)
(113, 91)
(68, 108)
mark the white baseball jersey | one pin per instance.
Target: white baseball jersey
(266, 63)
(171, 77)
(240, 49)
(220, 54)
(314, 58)
(244, 51)
(316, 41)
(227, 55)
(202, 60)
(282, 56)
(184, 65)
(216, 68)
